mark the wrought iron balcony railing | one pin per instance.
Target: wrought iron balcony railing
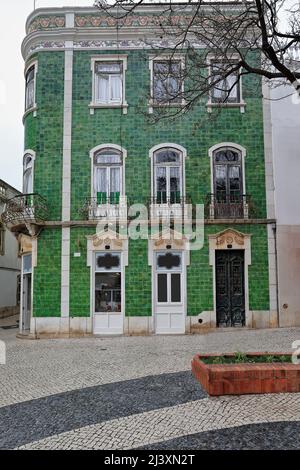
(173, 205)
(228, 206)
(25, 209)
(104, 207)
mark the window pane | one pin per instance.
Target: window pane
(220, 182)
(234, 183)
(226, 89)
(102, 89)
(101, 180)
(115, 183)
(108, 292)
(166, 80)
(168, 260)
(108, 156)
(161, 179)
(29, 94)
(167, 156)
(27, 181)
(116, 88)
(226, 156)
(233, 86)
(175, 287)
(26, 264)
(162, 288)
(108, 67)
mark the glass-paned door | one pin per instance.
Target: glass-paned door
(169, 287)
(228, 184)
(108, 293)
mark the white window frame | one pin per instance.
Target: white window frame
(164, 58)
(109, 58)
(123, 153)
(32, 109)
(169, 272)
(183, 156)
(31, 154)
(211, 104)
(211, 153)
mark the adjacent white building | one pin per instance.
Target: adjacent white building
(10, 262)
(285, 121)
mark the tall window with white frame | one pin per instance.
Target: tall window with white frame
(30, 88)
(167, 82)
(108, 82)
(108, 292)
(228, 183)
(168, 176)
(108, 176)
(227, 87)
(28, 174)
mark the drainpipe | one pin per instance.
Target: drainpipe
(276, 271)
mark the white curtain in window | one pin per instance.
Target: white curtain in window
(100, 180)
(231, 84)
(30, 94)
(116, 88)
(115, 181)
(102, 90)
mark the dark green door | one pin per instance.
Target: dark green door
(230, 288)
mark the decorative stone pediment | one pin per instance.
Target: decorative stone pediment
(107, 240)
(229, 238)
(168, 237)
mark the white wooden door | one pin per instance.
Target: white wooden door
(108, 293)
(169, 292)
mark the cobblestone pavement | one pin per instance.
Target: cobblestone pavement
(137, 392)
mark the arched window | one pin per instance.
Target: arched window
(28, 173)
(30, 87)
(108, 175)
(228, 178)
(168, 176)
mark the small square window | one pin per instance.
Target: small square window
(167, 81)
(226, 88)
(109, 82)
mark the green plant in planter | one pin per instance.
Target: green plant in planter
(240, 357)
(218, 360)
(269, 359)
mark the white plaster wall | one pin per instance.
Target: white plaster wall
(8, 288)
(10, 267)
(286, 152)
(285, 119)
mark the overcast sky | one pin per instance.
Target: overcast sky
(14, 14)
(12, 32)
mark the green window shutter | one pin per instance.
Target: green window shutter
(101, 198)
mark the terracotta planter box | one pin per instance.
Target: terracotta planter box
(244, 378)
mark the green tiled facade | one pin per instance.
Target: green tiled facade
(197, 131)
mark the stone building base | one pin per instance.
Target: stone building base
(55, 327)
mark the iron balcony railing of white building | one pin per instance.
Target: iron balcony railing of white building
(23, 210)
